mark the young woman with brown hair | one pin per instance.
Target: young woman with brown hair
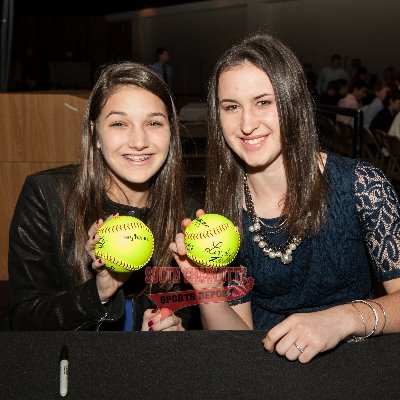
(315, 226)
(130, 165)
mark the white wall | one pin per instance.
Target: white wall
(196, 33)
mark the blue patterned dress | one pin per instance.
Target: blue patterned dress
(361, 237)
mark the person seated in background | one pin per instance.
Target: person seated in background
(130, 164)
(376, 105)
(394, 129)
(358, 90)
(361, 75)
(330, 96)
(335, 91)
(355, 64)
(384, 118)
(391, 78)
(314, 231)
(370, 79)
(331, 72)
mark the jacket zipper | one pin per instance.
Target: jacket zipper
(99, 322)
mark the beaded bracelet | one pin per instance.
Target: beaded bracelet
(384, 316)
(361, 338)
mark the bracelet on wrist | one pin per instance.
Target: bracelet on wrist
(353, 338)
(376, 320)
(384, 316)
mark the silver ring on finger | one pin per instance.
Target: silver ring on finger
(298, 348)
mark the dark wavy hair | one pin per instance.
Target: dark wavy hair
(84, 203)
(305, 200)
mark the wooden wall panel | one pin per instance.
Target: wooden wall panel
(40, 127)
(38, 131)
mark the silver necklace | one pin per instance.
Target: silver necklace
(284, 251)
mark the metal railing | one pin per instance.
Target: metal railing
(358, 118)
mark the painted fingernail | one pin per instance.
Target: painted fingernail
(154, 310)
(97, 222)
(93, 237)
(100, 261)
(150, 329)
(150, 323)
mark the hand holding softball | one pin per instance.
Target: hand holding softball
(186, 265)
(125, 244)
(93, 238)
(212, 241)
(107, 281)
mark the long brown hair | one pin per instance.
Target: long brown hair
(84, 203)
(305, 199)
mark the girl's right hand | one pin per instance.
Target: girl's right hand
(107, 281)
(189, 269)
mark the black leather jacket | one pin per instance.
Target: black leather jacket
(42, 292)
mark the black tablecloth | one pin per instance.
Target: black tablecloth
(191, 365)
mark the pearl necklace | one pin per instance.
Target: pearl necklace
(284, 252)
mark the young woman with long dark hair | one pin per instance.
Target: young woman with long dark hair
(315, 226)
(130, 165)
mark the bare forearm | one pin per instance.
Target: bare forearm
(391, 305)
(387, 315)
(221, 316)
(360, 317)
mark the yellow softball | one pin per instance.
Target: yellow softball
(125, 244)
(212, 240)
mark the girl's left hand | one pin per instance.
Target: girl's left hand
(161, 320)
(302, 336)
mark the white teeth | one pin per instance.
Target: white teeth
(138, 158)
(254, 141)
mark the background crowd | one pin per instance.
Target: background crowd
(378, 97)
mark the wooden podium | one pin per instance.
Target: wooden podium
(39, 130)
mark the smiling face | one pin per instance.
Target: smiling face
(133, 136)
(249, 116)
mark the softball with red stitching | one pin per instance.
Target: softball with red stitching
(212, 240)
(126, 244)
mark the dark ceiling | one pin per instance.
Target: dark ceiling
(88, 7)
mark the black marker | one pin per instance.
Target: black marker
(63, 371)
